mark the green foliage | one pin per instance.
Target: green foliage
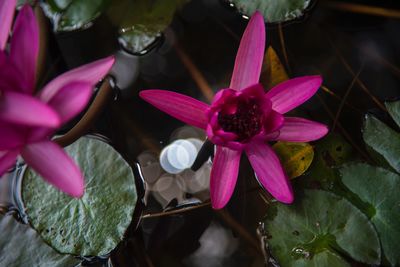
(394, 111)
(21, 246)
(378, 189)
(273, 10)
(330, 152)
(383, 140)
(95, 223)
(68, 15)
(318, 229)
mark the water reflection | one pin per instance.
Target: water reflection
(168, 177)
(217, 244)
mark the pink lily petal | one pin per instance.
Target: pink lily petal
(26, 110)
(11, 136)
(90, 73)
(301, 130)
(181, 107)
(37, 134)
(7, 8)
(24, 48)
(273, 122)
(269, 171)
(55, 166)
(71, 99)
(224, 175)
(7, 160)
(9, 76)
(294, 92)
(250, 55)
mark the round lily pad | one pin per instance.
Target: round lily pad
(91, 225)
(378, 189)
(318, 229)
(21, 246)
(273, 10)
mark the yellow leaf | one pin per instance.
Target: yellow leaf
(296, 158)
(273, 71)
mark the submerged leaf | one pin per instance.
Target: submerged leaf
(296, 158)
(95, 223)
(273, 10)
(378, 188)
(273, 71)
(318, 229)
(21, 246)
(330, 153)
(383, 140)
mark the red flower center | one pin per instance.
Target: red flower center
(245, 122)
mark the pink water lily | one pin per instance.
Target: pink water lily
(28, 120)
(243, 118)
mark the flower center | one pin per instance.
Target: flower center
(245, 122)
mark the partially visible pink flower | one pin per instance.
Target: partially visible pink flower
(27, 121)
(243, 118)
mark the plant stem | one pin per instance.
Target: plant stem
(195, 73)
(363, 9)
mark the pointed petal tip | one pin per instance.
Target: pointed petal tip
(7, 9)
(24, 47)
(77, 192)
(258, 16)
(146, 93)
(286, 199)
(90, 73)
(217, 205)
(75, 188)
(108, 61)
(317, 79)
(54, 165)
(179, 106)
(250, 55)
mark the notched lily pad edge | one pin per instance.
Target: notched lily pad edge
(328, 239)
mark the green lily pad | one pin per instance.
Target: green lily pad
(318, 229)
(379, 189)
(68, 15)
(273, 10)
(139, 22)
(384, 140)
(296, 158)
(94, 224)
(394, 110)
(21, 246)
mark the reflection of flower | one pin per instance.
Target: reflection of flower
(27, 120)
(242, 120)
